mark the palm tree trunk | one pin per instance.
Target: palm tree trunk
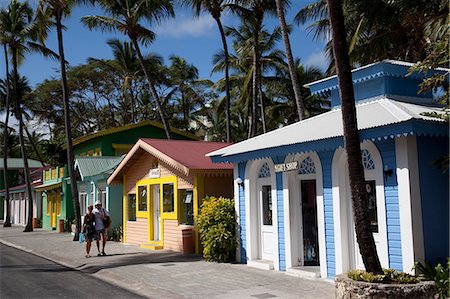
(29, 226)
(254, 113)
(152, 88)
(7, 222)
(361, 215)
(291, 64)
(261, 96)
(133, 116)
(33, 145)
(227, 78)
(68, 130)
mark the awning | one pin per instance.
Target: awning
(48, 186)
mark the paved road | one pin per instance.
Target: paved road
(24, 275)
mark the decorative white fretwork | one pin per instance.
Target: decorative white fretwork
(367, 160)
(307, 166)
(264, 172)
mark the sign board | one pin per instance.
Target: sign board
(154, 173)
(286, 166)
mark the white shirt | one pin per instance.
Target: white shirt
(100, 214)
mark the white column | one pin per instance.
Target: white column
(409, 201)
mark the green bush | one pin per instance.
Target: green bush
(217, 228)
(117, 234)
(439, 274)
(389, 276)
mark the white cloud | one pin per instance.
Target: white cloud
(318, 59)
(187, 26)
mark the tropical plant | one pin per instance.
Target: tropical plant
(215, 8)
(125, 17)
(252, 14)
(217, 228)
(292, 67)
(20, 31)
(439, 274)
(56, 10)
(378, 30)
(352, 145)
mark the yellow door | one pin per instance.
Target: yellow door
(52, 208)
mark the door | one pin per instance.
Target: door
(156, 215)
(52, 204)
(371, 196)
(266, 222)
(309, 221)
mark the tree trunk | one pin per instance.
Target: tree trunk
(29, 226)
(254, 114)
(227, 78)
(152, 88)
(33, 145)
(261, 96)
(68, 130)
(290, 59)
(352, 145)
(132, 102)
(7, 222)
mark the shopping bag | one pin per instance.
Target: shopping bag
(82, 238)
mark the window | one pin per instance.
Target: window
(372, 197)
(168, 200)
(267, 205)
(101, 195)
(82, 199)
(131, 207)
(186, 207)
(264, 172)
(142, 198)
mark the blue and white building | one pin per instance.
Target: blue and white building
(291, 185)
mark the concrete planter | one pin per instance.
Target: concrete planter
(347, 288)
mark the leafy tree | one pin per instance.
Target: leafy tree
(215, 8)
(352, 145)
(125, 16)
(56, 10)
(292, 68)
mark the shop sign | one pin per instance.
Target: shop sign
(286, 166)
(154, 173)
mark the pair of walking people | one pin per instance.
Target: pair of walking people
(95, 225)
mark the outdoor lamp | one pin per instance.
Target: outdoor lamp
(387, 172)
(239, 182)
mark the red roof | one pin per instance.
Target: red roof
(189, 153)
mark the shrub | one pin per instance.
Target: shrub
(117, 234)
(389, 276)
(439, 274)
(217, 227)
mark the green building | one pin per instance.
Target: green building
(96, 156)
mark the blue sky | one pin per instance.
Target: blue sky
(196, 39)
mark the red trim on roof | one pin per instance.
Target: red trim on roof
(190, 153)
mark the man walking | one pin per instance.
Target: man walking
(100, 216)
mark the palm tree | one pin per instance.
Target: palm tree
(125, 17)
(252, 12)
(127, 66)
(7, 222)
(17, 27)
(3, 27)
(56, 10)
(291, 64)
(352, 145)
(215, 8)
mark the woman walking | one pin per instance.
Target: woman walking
(89, 229)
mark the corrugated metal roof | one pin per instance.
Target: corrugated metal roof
(17, 163)
(92, 166)
(371, 114)
(190, 154)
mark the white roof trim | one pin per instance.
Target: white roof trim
(371, 114)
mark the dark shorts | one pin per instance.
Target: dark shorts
(100, 232)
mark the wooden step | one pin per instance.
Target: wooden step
(152, 246)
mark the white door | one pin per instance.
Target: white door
(156, 212)
(371, 192)
(267, 241)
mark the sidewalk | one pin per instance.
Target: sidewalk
(165, 274)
